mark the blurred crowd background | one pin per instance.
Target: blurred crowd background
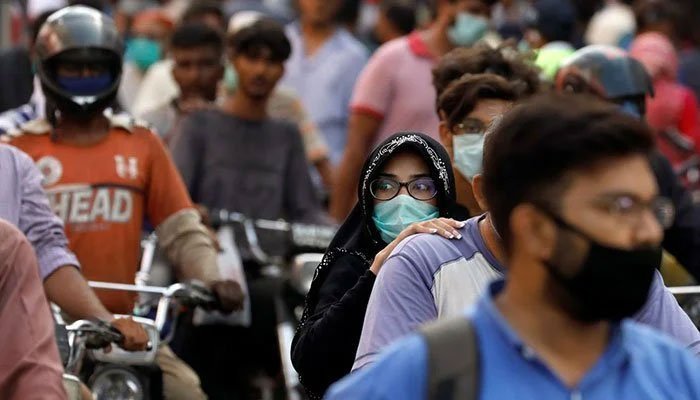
(550, 29)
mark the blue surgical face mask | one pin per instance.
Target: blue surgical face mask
(230, 78)
(468, 153)
(143, 52)
(393, 216)
(85, 86)
(467, 29)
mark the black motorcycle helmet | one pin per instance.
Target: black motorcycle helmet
(607, 72)
(79, 36)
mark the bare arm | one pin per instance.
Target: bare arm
(362, 130)
(68, 289)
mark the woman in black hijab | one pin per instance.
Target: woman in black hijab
(406, 184)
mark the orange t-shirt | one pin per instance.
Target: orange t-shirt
(103, 193)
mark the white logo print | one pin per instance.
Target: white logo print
(127, 168)
(51, 168)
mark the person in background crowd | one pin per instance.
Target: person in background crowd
(612, 75)
(550, 33)
(611, 24)
(149, 35)
(31, 368)
(464, 153)
(196, 51)
(394, 92)
(325, 62)
(18, 99)
(238, 158)
(407, 182)
(158, 88)
(510, 16)
(286, 105)
(578, 267)
(396, 18)
(348, 15)
(673, 109)
(16, 75)
(131, 177)
(654, 16)
(286, 193)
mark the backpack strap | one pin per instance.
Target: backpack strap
(453, 359)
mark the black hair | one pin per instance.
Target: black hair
(537, 145)
(555, 20)
(461, 96)
(505, 61)
(348, 12)
(401, 13)
(196, 34)
(201, 8)
(262, 34)
(648, 13)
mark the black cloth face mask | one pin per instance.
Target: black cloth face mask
(611, 284)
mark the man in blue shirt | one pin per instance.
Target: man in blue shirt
(577, 207)
(325, 62)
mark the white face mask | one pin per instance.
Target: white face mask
(468, 153)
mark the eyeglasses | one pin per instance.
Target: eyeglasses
(470, 125)
(385, 189)
(631, 210)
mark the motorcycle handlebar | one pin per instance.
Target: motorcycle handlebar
(187, 294)
(98, 334)
(301, 235)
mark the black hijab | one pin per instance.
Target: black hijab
(358, 235)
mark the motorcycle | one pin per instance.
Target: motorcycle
(298, 250)
(118, 374)
(288, 252)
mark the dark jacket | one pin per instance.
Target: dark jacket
(325, 344)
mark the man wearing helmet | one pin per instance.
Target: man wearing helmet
(611, 74)
(105, 174)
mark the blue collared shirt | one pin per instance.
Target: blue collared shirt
(637, 364)
(324, 81)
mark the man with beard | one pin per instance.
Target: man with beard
(574, 203)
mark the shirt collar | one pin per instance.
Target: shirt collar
(123, 121)
(475, 232)
(418, 46)
(489, 319)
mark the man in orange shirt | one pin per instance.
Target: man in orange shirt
(105, 174)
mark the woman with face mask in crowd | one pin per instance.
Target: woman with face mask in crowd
(406, 187)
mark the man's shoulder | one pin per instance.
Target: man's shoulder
(393, 51)
(352, 47)
(642, 339)
(661, 358)
(433, 250)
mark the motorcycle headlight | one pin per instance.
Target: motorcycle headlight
(116, 384)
